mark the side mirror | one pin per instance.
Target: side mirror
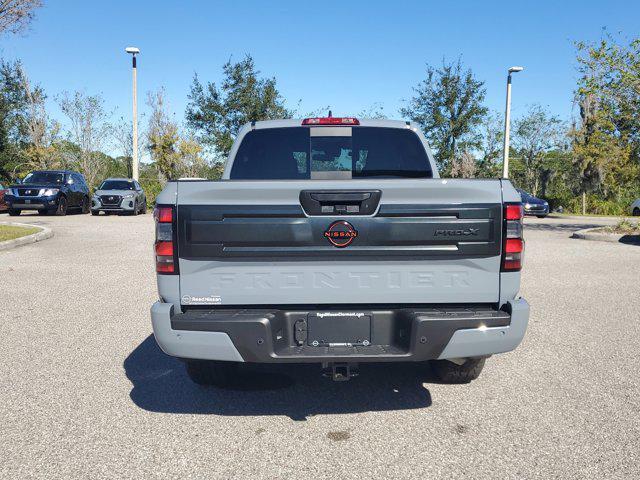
(17, 181)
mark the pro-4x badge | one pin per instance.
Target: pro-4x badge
(340, 234)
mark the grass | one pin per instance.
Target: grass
(10, 232)
(624, 227)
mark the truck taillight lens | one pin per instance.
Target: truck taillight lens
(513, 243)
(166, 255)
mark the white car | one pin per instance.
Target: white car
(635, 208)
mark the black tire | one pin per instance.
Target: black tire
(209, 372)
(86, 205)
(636, 212)
(43, 212)
(62, 207)
(541, 216)
(144, 208)
(135, 208)
(14, 212)
(449, 372)
(95, 213)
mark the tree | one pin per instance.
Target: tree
(16, 15)
(606, 138)
(88, 130)
(12, 107)
(123, 140)
(174, 155)
(162, 137)
(40, 131)
(217, 113)
(489, 164)
(448, 105)
(534, 135)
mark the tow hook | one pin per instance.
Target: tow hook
(340, 372)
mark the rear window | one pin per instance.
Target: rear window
(362, 152)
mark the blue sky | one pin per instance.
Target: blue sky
(349, 55)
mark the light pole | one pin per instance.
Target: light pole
(507, 121)
(134, 51)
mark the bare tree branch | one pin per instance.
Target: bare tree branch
(16, 15)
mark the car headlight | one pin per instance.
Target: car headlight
(50, 192)
(128, 195)
(527, 205)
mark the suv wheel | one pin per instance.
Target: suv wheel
(636, 212)
(85, 205)
(42, 212)
(449, 372)
(62, 206)
(136, 208)
(209, 372)
(144, 208)
(14, 212)
(95, 213)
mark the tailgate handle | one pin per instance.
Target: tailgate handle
(341, 197)
(340, 202)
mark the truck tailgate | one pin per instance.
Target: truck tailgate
(417, 241)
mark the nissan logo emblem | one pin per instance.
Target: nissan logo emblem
(340, 234)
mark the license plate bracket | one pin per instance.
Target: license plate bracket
(338, 329)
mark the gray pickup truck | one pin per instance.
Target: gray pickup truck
(334, 241)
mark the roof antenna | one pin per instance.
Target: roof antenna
(330, 115)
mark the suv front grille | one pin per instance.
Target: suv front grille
(28, 192)
(110, 199)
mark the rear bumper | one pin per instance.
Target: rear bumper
(267, 336)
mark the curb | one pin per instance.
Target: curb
(43, 234)
(594, 235)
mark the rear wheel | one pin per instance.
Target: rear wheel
(449, 372)
(95, 213)
(209, 372)
(14, 212)
(62, 206)
(85, 205)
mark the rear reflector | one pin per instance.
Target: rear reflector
(513, 212)
(164, 248)
(163, 214)
(514, 245)
(331, 121)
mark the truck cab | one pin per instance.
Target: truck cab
(334, 241)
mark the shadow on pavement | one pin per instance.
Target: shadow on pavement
(160, 384)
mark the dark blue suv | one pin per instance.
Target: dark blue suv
(49, 191)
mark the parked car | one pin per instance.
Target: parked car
(635, 208)
(3, 204)
(49, 191)
(533, 205)
(119, 195)
(348, 249)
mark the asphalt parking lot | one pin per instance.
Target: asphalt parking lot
(86, 393)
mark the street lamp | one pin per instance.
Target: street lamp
(134, 51)
(507, 120)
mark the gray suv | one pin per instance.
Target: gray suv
(119, 195)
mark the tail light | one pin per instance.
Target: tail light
(166, 254)
(331, 121)
(513, 243)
